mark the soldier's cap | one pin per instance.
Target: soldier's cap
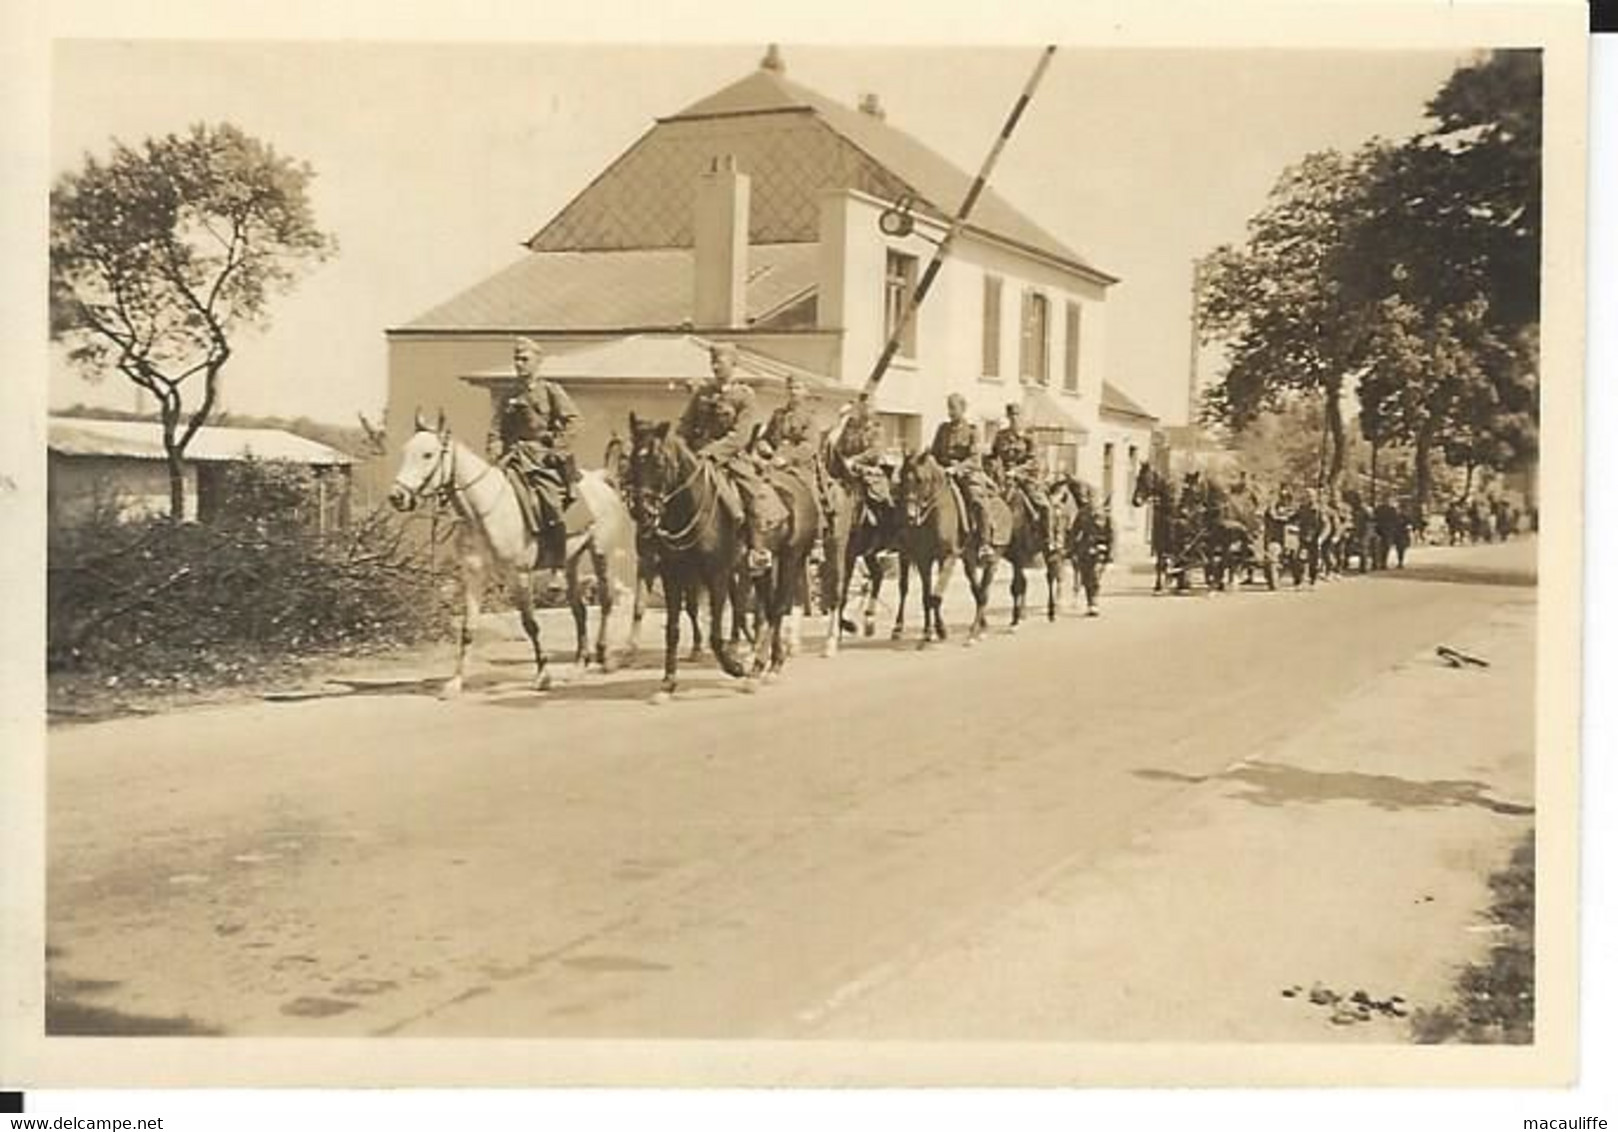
(1013, 408)
(524, 340)
(723, 350)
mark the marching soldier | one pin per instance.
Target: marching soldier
(532, 435)
(718, 425)
(1018, 460)
(956, 447)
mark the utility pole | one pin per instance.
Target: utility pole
(1193, 391)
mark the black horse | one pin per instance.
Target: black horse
(1169, 529)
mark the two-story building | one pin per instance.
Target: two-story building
(752, 216)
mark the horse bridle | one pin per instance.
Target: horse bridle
(647, 511)
(439, 482)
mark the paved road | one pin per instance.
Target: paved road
(729, 865)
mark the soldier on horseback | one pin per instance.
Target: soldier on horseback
(956, 447)
(718, 425)
(857, 455)
(531, 438)
(1017, 459)
(789, 437)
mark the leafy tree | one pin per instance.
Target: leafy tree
(160, 253)
(1281, 303)
(1451, 270)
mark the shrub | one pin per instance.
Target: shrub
(159, 597)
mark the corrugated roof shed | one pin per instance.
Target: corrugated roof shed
(143, 440)
(614, 290)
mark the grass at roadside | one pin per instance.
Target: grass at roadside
(1494, 1000)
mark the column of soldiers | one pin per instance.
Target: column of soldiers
(533, 429)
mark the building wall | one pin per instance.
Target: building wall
(949, 333)
(428, 372)
(1131, 441)
(77, 486)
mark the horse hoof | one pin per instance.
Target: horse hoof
(896, 635)
(660, 697)
(451, 689)
(543, 683)
(829, 649)
(1092, 612)
(969, 642)
(1013, 628)
(769, 678)
(748, 684)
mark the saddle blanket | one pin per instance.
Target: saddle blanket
(537, 509)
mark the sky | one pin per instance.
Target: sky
(435, 161)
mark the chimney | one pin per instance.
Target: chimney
(872, 105)
(719, 231)
(772, 60)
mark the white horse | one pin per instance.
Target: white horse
(493, 534)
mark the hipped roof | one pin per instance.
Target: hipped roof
(614, 290)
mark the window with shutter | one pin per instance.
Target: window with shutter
(899, 286)
(991, 325)
(1070, 361)
(1036, 341)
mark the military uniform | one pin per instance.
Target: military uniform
(1018, 459)
(717, 424)
(532, 434)
(956, 446)
(858, 453)
(789, 437)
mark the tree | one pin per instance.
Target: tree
(158, 255)
(1451, 266)
(1280, 301)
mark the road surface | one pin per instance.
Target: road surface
(795, 862)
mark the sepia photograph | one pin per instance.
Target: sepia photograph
(809, 548)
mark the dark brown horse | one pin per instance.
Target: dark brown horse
(1027, 547)
(936, 536)
(859, 532)
(785, 583)
(615, 465)
(1157, 490)
(674, 497)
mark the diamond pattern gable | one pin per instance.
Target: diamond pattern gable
(646, 198)
(795, 144)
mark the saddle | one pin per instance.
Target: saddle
(540, 516)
